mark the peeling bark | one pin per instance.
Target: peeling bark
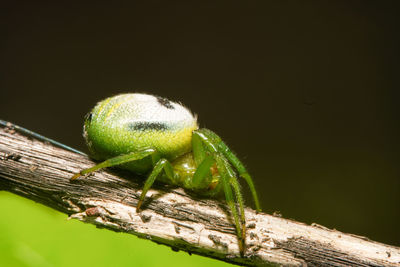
(39, 171)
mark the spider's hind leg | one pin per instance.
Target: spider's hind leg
(118, 160)
(162, 164)
(159, 165)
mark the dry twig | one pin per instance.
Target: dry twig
(40, 171)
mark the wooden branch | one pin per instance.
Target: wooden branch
(40, 171)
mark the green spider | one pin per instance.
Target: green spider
(145, 133)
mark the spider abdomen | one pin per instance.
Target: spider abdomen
(130, 122)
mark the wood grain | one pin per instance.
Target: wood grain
(39, 171)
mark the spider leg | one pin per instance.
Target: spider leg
(200, 177)
(226, 178)
(198, 149)
(204, 162)
(210, 155)
(159, 166)
(117, 161)
(239, 198)
(214, 142)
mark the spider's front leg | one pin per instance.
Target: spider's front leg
(206, 154)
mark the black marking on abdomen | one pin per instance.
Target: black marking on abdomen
(147, 126)
(88, 117)
(165, 102)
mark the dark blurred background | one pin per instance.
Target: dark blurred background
(305, 92)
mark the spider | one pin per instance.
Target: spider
(148, 134)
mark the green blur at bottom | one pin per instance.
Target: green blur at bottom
(34, 235)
